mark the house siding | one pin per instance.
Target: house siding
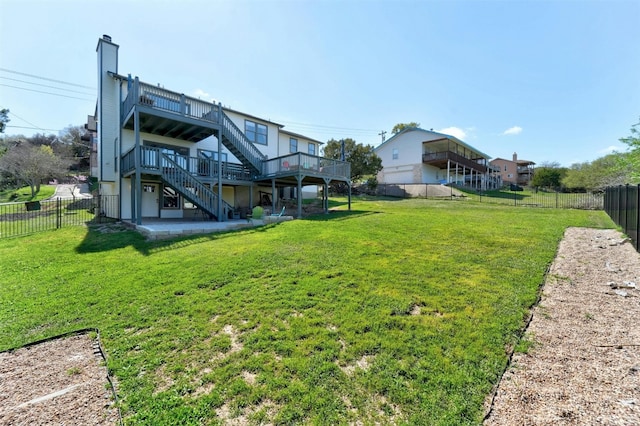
(108, 111)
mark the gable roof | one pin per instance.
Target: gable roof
(431, 132)
(521, 162)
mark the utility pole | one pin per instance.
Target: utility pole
(382, 133)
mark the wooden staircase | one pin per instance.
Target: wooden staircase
(242, 148)
(192, 189)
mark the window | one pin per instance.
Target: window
(312, 149)
(206, 154)
(188, 204)
(395, 153)
(170, 198)
(179, 154)
(293, 145)
(255, 132)
(505, 167)
(148, 188)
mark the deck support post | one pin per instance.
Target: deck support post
(349, 184)
(137, 213)
(299, 194)
(251, 197)
(325, 196)
(273, 196)
(219, 207)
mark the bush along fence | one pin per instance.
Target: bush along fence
(545, 199)
(34, 216)
(621, 204)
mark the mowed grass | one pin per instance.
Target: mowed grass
(24, 194)
(399, 312)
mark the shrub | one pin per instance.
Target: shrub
(257, 212)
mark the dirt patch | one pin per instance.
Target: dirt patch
(583, 363)
(59, 382)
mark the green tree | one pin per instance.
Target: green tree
(4, 119)
(610, 170)
(633, 159)
(401, 126)
(32, 164)
(363, 160)
(77, 149)
(548, 177)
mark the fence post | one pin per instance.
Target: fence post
(626, 207)
(99, 211)
(515, 198)
(556, 199)
(637, 217)
(58, 213)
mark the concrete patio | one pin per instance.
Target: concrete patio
(168, 228)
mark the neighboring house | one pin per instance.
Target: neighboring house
(167, 155)
(416, 156)
(517, 172)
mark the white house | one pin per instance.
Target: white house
(168, 155)
(418, 156)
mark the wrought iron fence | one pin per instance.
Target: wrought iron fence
(621, 204)
(18, 219)
(544, 199)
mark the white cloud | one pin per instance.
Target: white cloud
(611, 149)
(201, 94)
(454, 131)
(515, 130)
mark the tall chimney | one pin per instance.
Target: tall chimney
(515, 157)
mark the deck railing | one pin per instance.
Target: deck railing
(306, 163)
(450, 155)
(204, 168)
(166, 100)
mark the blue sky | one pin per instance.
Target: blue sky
(551, 80)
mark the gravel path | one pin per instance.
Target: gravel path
(584, 364)
(59, 382)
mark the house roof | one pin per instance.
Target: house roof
(519, 162)
(431, 132)
(300, 136)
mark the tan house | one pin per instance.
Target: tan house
(518, 172)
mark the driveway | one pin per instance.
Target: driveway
(69, 192)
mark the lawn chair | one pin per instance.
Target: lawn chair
(278, 214)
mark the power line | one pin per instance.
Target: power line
(298, 124)
(47, 93)
(46, 85)
(34, 128)
(46, 78)
(28, 122)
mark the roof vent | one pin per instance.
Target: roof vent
(106, 37)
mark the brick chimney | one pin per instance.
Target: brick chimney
(515, 157)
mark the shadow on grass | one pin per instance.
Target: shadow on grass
(337, 215)
(104, 238)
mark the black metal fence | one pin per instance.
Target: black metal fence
(34, 216)
(545, 199)
(621, 204)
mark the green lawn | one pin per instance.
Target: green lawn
(24, 194)
(399, 312)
